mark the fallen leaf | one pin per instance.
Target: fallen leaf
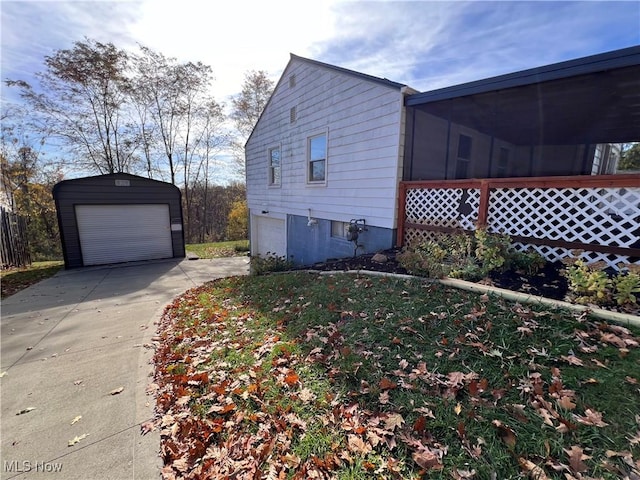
(591, 417)
(393, 420)
(26, 410)
(427, 460)
(458, 408)
(2, 374)
(291, 378)
(576, 457)
(566, 403)
(462, 474)
(77, 439)
(148, 426)
(357, 445)
(116, 391)
(535, 472)
(599, 363)
(507, 435)
(383, 398)
(306, 395)
(76, 420)
(420, 424)
(386, 384)
(635, 440)
(572, 360)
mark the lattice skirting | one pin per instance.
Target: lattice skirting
(443, 207)
(594, 215)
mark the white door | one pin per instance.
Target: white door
(268, 237)
(123, 233)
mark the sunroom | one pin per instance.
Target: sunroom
(533, 154)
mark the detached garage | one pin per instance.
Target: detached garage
(118, 218)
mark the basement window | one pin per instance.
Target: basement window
(339, 229)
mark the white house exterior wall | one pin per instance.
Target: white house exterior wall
(363, 121)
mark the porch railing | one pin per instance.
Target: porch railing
(599, 214)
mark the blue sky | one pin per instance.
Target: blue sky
(424, 44)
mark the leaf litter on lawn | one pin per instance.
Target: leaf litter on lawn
(320, 376)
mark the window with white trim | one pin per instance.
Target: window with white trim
(275, 166)
(317, 158)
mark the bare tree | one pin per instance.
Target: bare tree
(168, 95)
(247, 107)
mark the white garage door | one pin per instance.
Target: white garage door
(123, 233)
(269, 236)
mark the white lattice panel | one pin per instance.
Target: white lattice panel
(443, 207)
(602, 216)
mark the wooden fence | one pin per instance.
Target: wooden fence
(14, 245)
(552, 215)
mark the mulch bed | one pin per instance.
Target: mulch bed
(548, 282)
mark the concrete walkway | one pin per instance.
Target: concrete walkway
(67, 343)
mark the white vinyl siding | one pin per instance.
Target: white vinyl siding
(363, 121)
(123, 233)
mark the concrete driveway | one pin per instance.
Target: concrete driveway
(67, 344)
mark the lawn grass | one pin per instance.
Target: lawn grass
(218, 249)
(12, 280)
(354, 377)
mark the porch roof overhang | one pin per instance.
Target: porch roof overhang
(594, 99)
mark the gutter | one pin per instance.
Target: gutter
(617, 317)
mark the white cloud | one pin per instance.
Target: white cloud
(233, 37)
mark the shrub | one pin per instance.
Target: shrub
(530, 262)
(625, 286)
(462, 256)
(588, 284)
(425, 260)
(493, 251)
(269, 263)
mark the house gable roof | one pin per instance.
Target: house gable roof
(363, 76)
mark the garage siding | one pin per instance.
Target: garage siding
(113, 189)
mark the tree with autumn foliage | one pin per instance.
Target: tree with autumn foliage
(27, 181)
(81, 100)
(238, 221)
